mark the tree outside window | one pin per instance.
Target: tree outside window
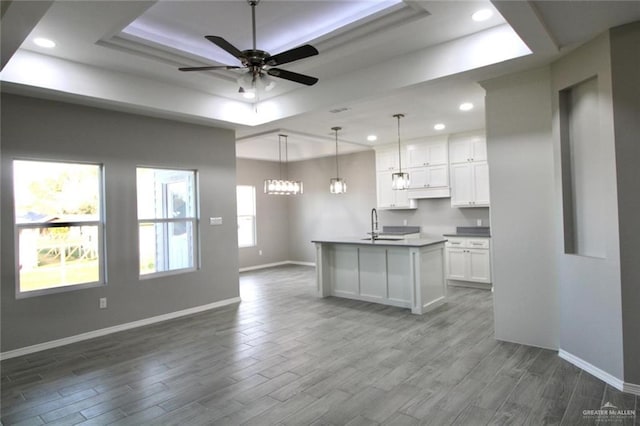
(58, 210)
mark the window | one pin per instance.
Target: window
(246, 196)
(58, 211)
(167, 222)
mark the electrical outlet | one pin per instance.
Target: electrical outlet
(405, 222)
(479, 222)
(259, 252)
(103, 303)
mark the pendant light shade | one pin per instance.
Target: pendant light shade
(336, 184)
(399, 180)
(282, 186)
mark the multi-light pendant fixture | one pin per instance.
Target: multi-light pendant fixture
(399, 180)
(282, 186)
(336, 184)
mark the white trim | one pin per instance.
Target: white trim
(631, 388)
(116, 328)
(295, 262)
(599, 373)
(271, 265)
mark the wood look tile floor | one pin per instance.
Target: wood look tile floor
(285, 357)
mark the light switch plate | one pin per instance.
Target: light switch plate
(215, 221)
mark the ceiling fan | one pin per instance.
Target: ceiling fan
(259, 62)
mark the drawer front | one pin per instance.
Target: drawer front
(478, 243)
(456, 242)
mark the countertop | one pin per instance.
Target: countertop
(408, 242)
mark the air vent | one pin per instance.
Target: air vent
(339, 110)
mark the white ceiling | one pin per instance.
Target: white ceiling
(377, 58)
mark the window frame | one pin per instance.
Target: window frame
(100, 223)
(254, 216)
(195, 224)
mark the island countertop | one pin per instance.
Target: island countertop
(405, 242)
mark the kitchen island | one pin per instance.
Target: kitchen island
(407, 273)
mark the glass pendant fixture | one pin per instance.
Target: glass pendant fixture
(336, 184)
(282, 186)
(399, 180)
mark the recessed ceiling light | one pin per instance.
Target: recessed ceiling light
(482, 15)
(466, 106)
(372, 138)
(439, 126)
(44, 42)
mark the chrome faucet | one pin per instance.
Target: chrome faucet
(374, 224)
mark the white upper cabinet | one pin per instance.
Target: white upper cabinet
(427, 153)
(387, 159)
(469, 170)
(467, 148)
(428, 162)
(429, 177)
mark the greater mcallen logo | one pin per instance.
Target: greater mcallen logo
(609, 413)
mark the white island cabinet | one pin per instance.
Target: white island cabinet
(407, 273)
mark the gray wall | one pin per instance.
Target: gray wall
(590, 293)
(318, 214)
(625, 64)
(37, 129)
(520, 151)
(272, 220)
(597, 297)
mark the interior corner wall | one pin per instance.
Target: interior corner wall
(41, 129)
(625, 64)
(320, 214)
(590, 291)
(272, 218)
(521, 176)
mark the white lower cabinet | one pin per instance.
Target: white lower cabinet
(468, 259)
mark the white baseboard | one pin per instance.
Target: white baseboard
(271, 265)
(631, 388)
(295, 262)
(116, 328)
(599, 373)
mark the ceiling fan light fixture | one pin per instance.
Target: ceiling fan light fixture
(248, 93)
(266, 82)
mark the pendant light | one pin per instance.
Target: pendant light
(282, 186)
(399, 180)
(337, 185)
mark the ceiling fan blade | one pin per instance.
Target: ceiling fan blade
(219, 67)
(225, 45)
(292, 55)
(293, 76)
